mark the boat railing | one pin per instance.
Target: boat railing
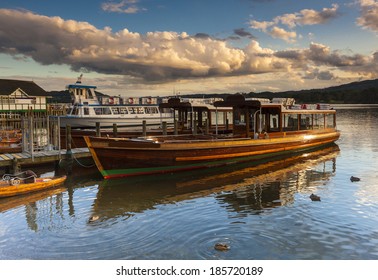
(16, 179)
(188, 137)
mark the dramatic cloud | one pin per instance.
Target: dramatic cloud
(160, 57)
(304, 17)
(369, 15)
(321, 55)
(125, 7)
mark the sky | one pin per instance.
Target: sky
(161, 47)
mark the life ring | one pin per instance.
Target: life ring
(149, 100)
(304, 106)
(130, 100)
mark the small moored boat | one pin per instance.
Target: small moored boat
(27, 182)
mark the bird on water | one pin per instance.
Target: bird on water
(314, 197)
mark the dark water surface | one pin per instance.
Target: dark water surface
(261, 212)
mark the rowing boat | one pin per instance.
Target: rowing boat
(27, 182)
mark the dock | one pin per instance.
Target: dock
(11, 160)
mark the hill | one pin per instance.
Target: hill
(363, 92)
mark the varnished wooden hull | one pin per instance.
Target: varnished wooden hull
(9, 190)
(120, 157)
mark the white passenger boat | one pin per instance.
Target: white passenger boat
(87, 110)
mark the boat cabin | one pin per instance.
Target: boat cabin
(259, 119)
(196, 113)
(85, 103)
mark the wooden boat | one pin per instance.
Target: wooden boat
(26, 182)
(10, 141)
(260, 130)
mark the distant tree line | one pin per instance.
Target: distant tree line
(364, 92)
(365, 96)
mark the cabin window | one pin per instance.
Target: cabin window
(115, 111)
(106, 111)
(290, 122)
(221, 118)
(330, 120)
(123, 111)
(74, 111)
(274, 122)
(103, 111)
(318, 121)
(239, 116)
(132, 110)
(151, 110)
(154, 110)
(305, 122)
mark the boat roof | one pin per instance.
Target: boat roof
(177, 103)
(237, 100)
(80, 86)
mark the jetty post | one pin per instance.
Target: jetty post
(175, 125)
(144, 125)
(195, 127)
(16, 168)
(164, 128)
(115, 130)
(98, 131)
(69, 156)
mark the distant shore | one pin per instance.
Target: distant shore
(353, 106)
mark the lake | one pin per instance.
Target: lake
(260, 211)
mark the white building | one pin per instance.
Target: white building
(17, 96)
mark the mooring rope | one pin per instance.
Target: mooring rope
(82, 165)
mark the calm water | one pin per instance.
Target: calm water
(262, 212)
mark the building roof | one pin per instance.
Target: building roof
(7, 87)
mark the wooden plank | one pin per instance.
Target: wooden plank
(3, 156)
(9, 156)
(24, 155)
(16, 156)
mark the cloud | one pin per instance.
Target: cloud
(159, 57)
(241, 32)
(321, 55)
(369, 15)
(315, 73)
(304, 17)
(288, 36)
(125, 7)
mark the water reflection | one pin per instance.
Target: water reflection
(247, 188)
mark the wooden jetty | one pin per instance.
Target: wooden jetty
(15, 160)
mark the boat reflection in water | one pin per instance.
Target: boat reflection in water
(243, 188)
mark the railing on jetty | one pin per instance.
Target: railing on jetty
(41, 144)
(40, 134)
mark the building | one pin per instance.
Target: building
(19, 97)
